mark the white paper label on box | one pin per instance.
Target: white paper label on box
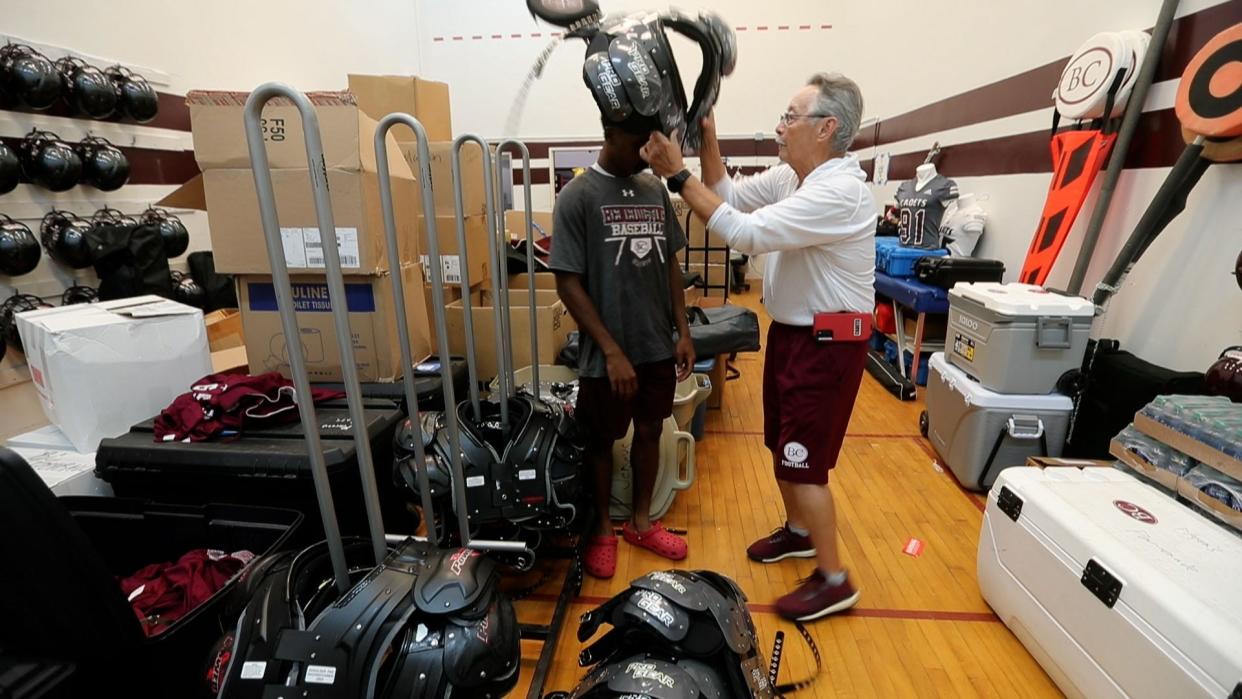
(303, 247)
(320, 674)
(474, 481)
(526, 474)
(253, 670)
(450, 267)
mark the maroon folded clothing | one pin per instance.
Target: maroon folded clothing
(162, 593)
(229, 404)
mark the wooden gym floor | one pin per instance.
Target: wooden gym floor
(921, 627)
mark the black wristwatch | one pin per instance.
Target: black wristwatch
(676, 181)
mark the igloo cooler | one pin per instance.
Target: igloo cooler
(1116, 589)
(978, 432)
(1016, 338)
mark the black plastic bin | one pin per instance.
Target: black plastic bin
(60, 594)
(129, 534)
(428, 385)
(264, 467)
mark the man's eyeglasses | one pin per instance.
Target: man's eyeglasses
(788, 117)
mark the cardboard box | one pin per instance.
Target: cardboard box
(714, 274)
(934, 326)
(372, 321)
(1209, 504)
(1136, 462)
(218, 126)
(231, 360)
(515, 223)
(473, 193)
(224, 330)
(554, 326)
(100, 368)
(1059, 462)
(425, 100)
(543, 280)
(477, 257)
(451, 294)
(347, 122)
(237, 239)
(1195, 449)
(21, 409)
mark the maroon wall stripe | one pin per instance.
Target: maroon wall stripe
(151, 166)
(173, 113)
(1158, 142)
(539, 149)
(541, 175)
(148, 165)
(729, 147)
(1030, 90)
(1019, 94)
(1188, 34)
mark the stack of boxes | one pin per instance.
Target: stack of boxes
(347, 122)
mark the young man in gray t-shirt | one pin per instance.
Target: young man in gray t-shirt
(614, 252)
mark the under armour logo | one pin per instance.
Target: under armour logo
(627, 193)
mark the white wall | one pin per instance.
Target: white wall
(1179, 307)
(232, 44)
(903, 53)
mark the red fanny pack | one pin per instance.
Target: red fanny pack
(842, 327)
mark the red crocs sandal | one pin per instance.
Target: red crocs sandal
(600, 559)
(657, 539)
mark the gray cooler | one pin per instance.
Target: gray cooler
(978, 432)
(1016, 338)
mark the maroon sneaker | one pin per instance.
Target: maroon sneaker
(779, 545)
(817, 598)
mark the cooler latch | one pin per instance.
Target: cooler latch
(1101, 583)
(1237, 692)
(1009, 503)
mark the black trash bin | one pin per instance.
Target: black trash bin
(60, 593)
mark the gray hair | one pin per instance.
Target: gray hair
(839, 97)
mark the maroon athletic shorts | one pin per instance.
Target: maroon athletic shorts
(604, 419)
(808, 393)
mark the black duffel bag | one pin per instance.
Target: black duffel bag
(1114, 385)
(723, 330)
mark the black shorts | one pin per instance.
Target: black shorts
(809, 389)
(604, 419)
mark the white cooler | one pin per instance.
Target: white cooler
(978, 432)
(1016, 338)
(1115, 589)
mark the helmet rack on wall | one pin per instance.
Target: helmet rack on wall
(81, 138)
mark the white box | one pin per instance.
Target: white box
(100, 368)
(1116, 589)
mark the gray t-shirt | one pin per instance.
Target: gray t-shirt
(619, 234)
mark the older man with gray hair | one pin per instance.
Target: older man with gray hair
(816, 218)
